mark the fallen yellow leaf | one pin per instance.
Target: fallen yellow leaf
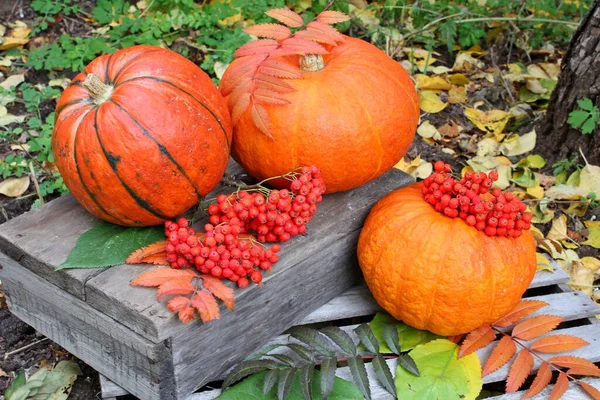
(492, 121)
(430, 102)
(459, 79)
(591, 263)
(589, 179)
(543, 264)
(465, 62)
(518, 144)
(9, 43)
(537, 192)
(457, 95)
(428, 131)
(558, 231)
(14, 187)
(425, 82)
(594, 234)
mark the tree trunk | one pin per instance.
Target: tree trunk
(579, 78)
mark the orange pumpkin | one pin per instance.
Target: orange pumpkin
(438, 273)
(141, 135)
(353, 114)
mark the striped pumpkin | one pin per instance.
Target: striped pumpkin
(141, 135)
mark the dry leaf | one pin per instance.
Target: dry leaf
(3, 373)
(543, 264)
(487, 146)
(206, 305)
(493, 121)
(220, 68)
(272, 31)
(459, 79)
(12, 81)
(476, 339)
(560, 387)
(457, 95)
(10, 42)
(450, 130)
(175, 286)
(542, 379)
(593, 238)
(502, 353)
(536, 326)
(417, 168)
(158, 276)
(523, 309)
(216, 287)
(286, 17)
(430, 102)
(535, 86)
(428, 131)
(589, 179)
(465, 62)
(517, 145)
(557, 343)
(425, 82)
(519, 371)
(558, 231)
(14, 187)
(138, 256)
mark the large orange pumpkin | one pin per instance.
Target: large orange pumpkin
(354, 117)
(438, 273)
(141, 135)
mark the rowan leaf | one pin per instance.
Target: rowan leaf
(367, 338)
(592, 391)
(158, 276)
(279, 69)
(256, 47)
(359, 375)
(270, 380)
(523, 309)
(557, 344)
(315, 36)
(560, 387)
(137, 256)
(314, 339)
(206, 305)
(240, 107)
(177, 303)
(186, 314)
(584, 371)
(286, 17)
(239, 70)
(272, 83)
(519, 371)
(246, 368)
(325, 30)
(383, 374)
(266, 96)
(542, 379)
(243, 88)
(306, 375)
(572, 362)
(536, 326)
(274, 31)
(328, 367)
(286, 377)
(340, 338)
(219, 290)
(261, 119)
(332, 17)
(175, 286)
(156, 259)
(299, 46)
(477, 339)
(502, 353)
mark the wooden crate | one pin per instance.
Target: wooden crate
(575, 307)
(122, 331)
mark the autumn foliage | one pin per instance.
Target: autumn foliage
(529, 330)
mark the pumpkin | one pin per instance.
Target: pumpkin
(141, 135)
(353, 114)
(438, 273)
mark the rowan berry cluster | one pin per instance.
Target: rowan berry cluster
(275, 215)
(221, 251)
(472, 199)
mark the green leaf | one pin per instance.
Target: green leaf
(270, 379)
(306, 376)
(252, 388)
(341, 338)
(246, 368)
(18, 382)
(283, 359)
(106, 245)
(264, 351)
(286, 377)
(536, 161)
(390, 335)
(314, 339)
(302, 351)
(586, 104)
(328, 367)
(589, 126)
(367, 337)
(383, 374)
(525, 177)
(409, 337)
(58, 382)
(359, 374)
(577, 118)
(408, 364)
(443, 376)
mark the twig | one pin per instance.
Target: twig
(12, 353)
(13, 10)
(36, 184)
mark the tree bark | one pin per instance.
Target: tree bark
(579, 78)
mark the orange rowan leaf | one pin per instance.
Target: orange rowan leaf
(274, 31)
(585, 371)
(272, 83)
(560, 387)
(177, 303)
(501, 354)
(137, 256)
(326, 30)
(523, 309)
(157, 259)
(158, 276)
(592, 391)
(286, 17)
(240, 107)
(315, 37)
(536, 326)
(175, 286)
(256, 47)
(243, 87)
(206, 305)
(557, 343)
(572, 362)
(519, 371)
(279, 69)
(456, 338)
(261, 119)
(476, 340)
(332, 17)
(186, 314)
(266, 96)
(299, 46)
(239, 70)
(542, 379)
(216, 287)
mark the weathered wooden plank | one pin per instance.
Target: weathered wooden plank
(144, 368)
(338, 221)
(41, 239)
(574, 392)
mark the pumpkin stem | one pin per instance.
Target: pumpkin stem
(99, 91)
(312, 63)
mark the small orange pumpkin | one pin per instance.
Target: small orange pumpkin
(141, 135)
(353, 113)
(437, 273)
